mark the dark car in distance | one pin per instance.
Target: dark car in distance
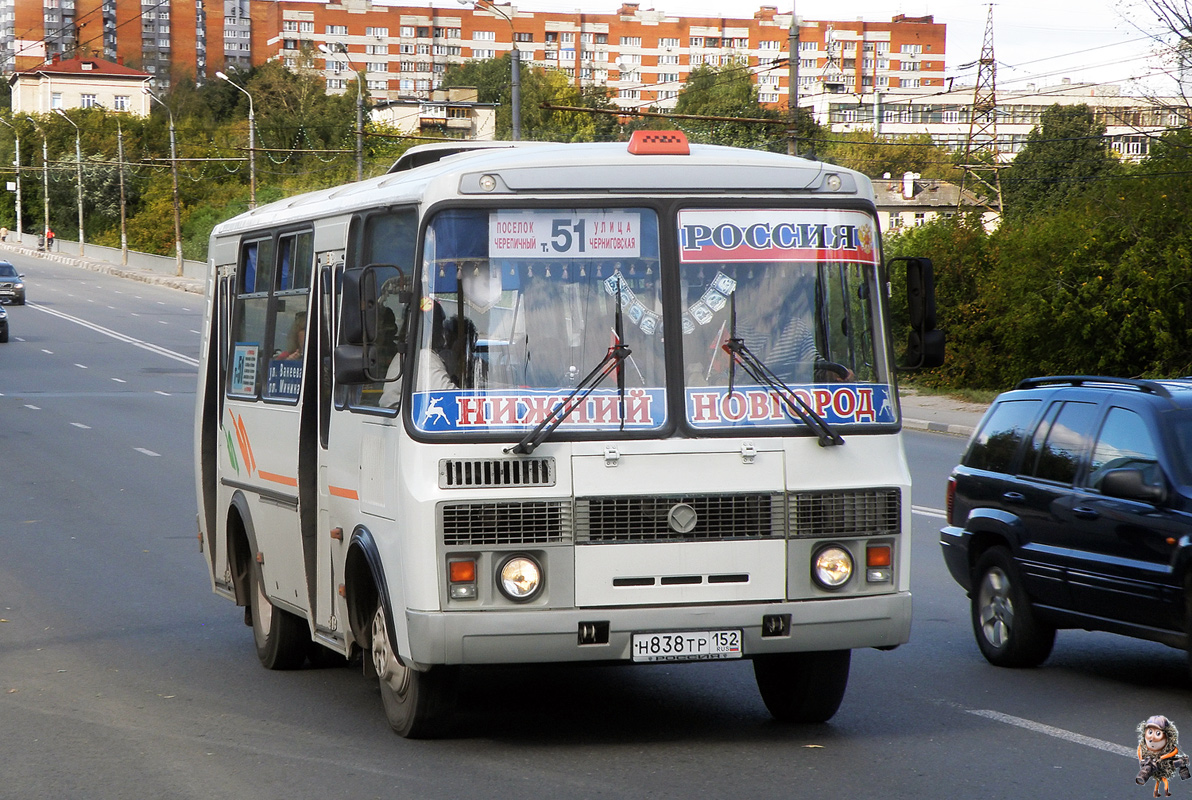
(12, 284)
(3, 325)
(1072, 508)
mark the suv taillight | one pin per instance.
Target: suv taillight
(951, 498)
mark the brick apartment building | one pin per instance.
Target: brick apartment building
(643, 55)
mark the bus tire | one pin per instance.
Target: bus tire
(803, 687)
(280, 637)
(418, 705)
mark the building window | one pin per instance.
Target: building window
(520, 36)
(485, 53)
(376, 49)
(696, 41)
(407, 31)
(380, 33)
(120, 102)
(769, 45)
(87, 101)
(631, 41)
(911, 48)
(668, 42)
(808, 46)
(670, 58)
(306, 27)
(337, 30)
(602, 38)
(668, 77)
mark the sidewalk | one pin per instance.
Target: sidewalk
(95, 265)
(939, 413)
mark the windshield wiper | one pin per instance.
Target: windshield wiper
(614, 359)
(796, 406)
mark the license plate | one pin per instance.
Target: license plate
(686, 646)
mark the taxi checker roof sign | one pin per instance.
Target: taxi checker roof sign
(736, 235)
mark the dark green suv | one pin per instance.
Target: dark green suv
(1072, 508)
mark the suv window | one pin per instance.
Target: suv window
(1124, 442)
(1060, 441)
(998, 441)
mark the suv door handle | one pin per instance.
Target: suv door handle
(1084, 512)
(1014, 497)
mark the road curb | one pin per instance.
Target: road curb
(938, 427)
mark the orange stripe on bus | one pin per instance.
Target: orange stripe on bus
(269, 476)
(339, 491)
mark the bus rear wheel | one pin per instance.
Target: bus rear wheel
(803, 687)
(418, 704)
(280, 637)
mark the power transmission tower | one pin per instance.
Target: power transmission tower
(981, 177)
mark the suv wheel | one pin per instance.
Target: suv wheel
(1004, 623)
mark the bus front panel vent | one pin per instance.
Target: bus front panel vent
(457, 473)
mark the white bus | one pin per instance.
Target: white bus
(561, 403)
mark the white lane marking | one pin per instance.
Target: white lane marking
(82, 366)
(163, 394)
(81, 425)
(119, 380)
(1058, 733)
(147, 452)
(32, 407)
(153, 348)
(47, 352)
(928, 512)
(162, 322)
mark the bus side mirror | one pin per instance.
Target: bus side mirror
(374, 304)
(925, 343)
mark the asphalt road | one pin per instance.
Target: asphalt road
(122, 676)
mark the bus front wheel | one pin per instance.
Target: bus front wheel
(281, 638)
(803, 687)
(418, 704)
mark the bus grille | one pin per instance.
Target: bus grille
(485, 473)
(507, 522)
(608, 520)
(849, 513)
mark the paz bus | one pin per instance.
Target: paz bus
(618, 403)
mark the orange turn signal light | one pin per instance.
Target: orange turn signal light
(462, 571)
(879, 555)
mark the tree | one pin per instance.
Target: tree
(866, 152)
(1062, 155)
(728, 93)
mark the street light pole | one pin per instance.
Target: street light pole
(252, 146)
(123, 220)
(45, 173)
(174, 175)
(340, 47)
(514, 60)
(17, 138)
(78, 174)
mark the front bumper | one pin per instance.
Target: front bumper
(524, 636)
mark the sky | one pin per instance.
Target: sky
(1035, 41)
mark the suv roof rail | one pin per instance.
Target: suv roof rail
(1150, 387)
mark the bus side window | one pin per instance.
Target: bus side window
(295, 260)
(250, 318)
(388, 241)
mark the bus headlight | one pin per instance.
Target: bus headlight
(832, 567)
(520, 578)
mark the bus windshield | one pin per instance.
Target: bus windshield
(519, 306)
(795, 290)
